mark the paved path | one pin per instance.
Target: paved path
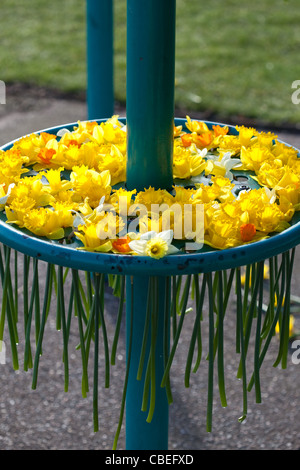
(49, 418)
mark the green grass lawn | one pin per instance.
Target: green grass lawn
(233, 58)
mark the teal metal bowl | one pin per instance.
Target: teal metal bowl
(204, 260)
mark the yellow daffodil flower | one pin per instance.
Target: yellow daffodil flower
(90, 184)
(121, 199)
(88, 234)
(46, 222)
(153, 196)
(11, 166)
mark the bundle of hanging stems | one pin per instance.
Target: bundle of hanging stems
(56, 187)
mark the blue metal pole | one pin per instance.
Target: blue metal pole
(100, 86)
(150, 127)
(140, 434)
(150, 93)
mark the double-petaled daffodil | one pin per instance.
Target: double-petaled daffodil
(88, 235)
(11, 166)
(121, 199)
(253, 157)
(31, 146)
(33, 188)
(187, 162)
(90, 184)
(153, 244)
(48, 222)
(115, 163)
(152, 196)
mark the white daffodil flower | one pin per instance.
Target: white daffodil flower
(154, 244)
(271, 193)
(202, 152)
(3, 199)
(228, 164)
(62, 132)
(224, 165)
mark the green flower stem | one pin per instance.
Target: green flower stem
(115, 282)
(11, 297)
(38, 352)
(196, 334)
(4, 279)
(96, 351)
(129, 351)
(154, 322)
(272, 290)
(284, 326)
(227, 286)
(28, 317)
(16, 285)
(27, 321)
(186, 292)
(37, 310)
(287, 311)
(70, 312)
(178, 292)
(1, 264)
(78, 308)
(209, 411)
(104, 331)
(174, 306)
(90, 327)
(166, 338)
(61, 307)
(275, 320)
(146, 389)
(221, 310)
(260, 273)
(84, 300)
(146, 330)
(89, 288)
(119, 321)
(59, 297)
(179, 327)
(224, 301)
(246, 290)
(270, 310)
(240, 330)
(6, 308)
(250, 314)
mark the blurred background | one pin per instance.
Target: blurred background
(234, 60)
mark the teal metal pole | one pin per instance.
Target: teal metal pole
(140, 434)
(100, 86)
(150, 127)
(150, 92)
